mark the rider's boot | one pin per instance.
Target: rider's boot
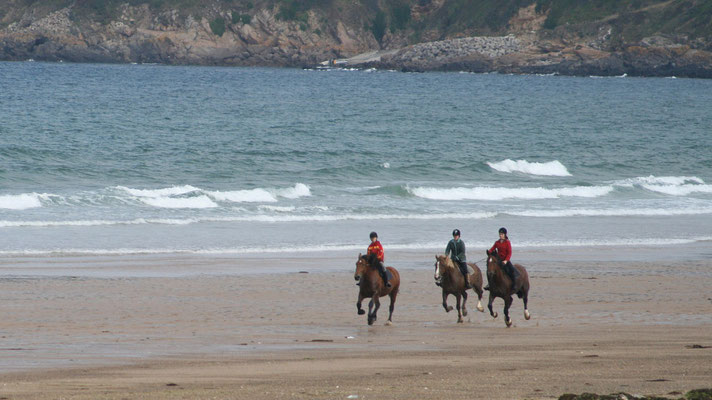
(384, 274)
(385, 279)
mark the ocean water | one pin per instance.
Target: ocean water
(150, 159)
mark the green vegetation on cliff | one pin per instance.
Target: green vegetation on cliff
(632, 20)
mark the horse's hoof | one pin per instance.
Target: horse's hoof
(388, 323)
(459, 321)
(361, 312)
(480, 309)
(509, 322)
(370, 321)
(527, 315)
(464, 312)
(449, 309)
(495, 315)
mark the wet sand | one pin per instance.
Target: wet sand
(598, 326)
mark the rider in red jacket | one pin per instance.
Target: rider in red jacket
(376, 248)
(503, 247)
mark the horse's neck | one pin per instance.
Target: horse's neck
(499, 273)
(449, 269)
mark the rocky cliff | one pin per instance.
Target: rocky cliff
(140, 34)
(515, 36)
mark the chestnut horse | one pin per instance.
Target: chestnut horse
(500, 285)
(453, 283)
(371, 285)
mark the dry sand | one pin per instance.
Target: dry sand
(297, 336)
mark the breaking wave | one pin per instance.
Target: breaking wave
(669, 185)
(498, 193)
(192, 197)
(20, 201)
(551, 168)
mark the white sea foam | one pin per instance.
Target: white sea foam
(278, 208)
(20, 201)
(660, 180)
(245, 196)
(670, 185)
(180, 202)
(260, 195)
(436, 246)
(299, 190)
(175, 197)
(171, 191)
(616, 212)
(498, 193)
(98, 222)
(551, 168)
(252, 218)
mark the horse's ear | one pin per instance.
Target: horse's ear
(359, 255)
(487, 251)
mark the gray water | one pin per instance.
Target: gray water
(150, 159)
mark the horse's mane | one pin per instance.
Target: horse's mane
(371, 259)
(448, 262)
(496, 257)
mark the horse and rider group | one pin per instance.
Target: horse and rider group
(452, 273)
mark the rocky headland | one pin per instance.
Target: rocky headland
(264, 36)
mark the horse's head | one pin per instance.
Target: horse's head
(441, 262)
(361, 266)
(493, 263)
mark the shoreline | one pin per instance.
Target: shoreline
(185, 264)
(391, 68)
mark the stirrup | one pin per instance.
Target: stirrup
(486, 287)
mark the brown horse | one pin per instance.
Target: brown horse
(371, 285)
(500, 285)
(453, 283)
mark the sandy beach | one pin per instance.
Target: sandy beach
(293, 333)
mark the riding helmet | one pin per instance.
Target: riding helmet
(456, 232)
(503, 230)
(373, 235)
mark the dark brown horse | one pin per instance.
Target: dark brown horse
(500, 285)
(453, 283)
(371, 285)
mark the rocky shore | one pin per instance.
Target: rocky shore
(510, 54)
(140, 35)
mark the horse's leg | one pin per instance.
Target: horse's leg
(377, 305)
(370, 307)
(393, 296)
(464, 300)
(479, 300)
(445, 306)
(459, 312)
(507, 303)
(358, 305)
(525, 299)
(489, 305)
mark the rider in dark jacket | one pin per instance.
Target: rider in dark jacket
(456, 249)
